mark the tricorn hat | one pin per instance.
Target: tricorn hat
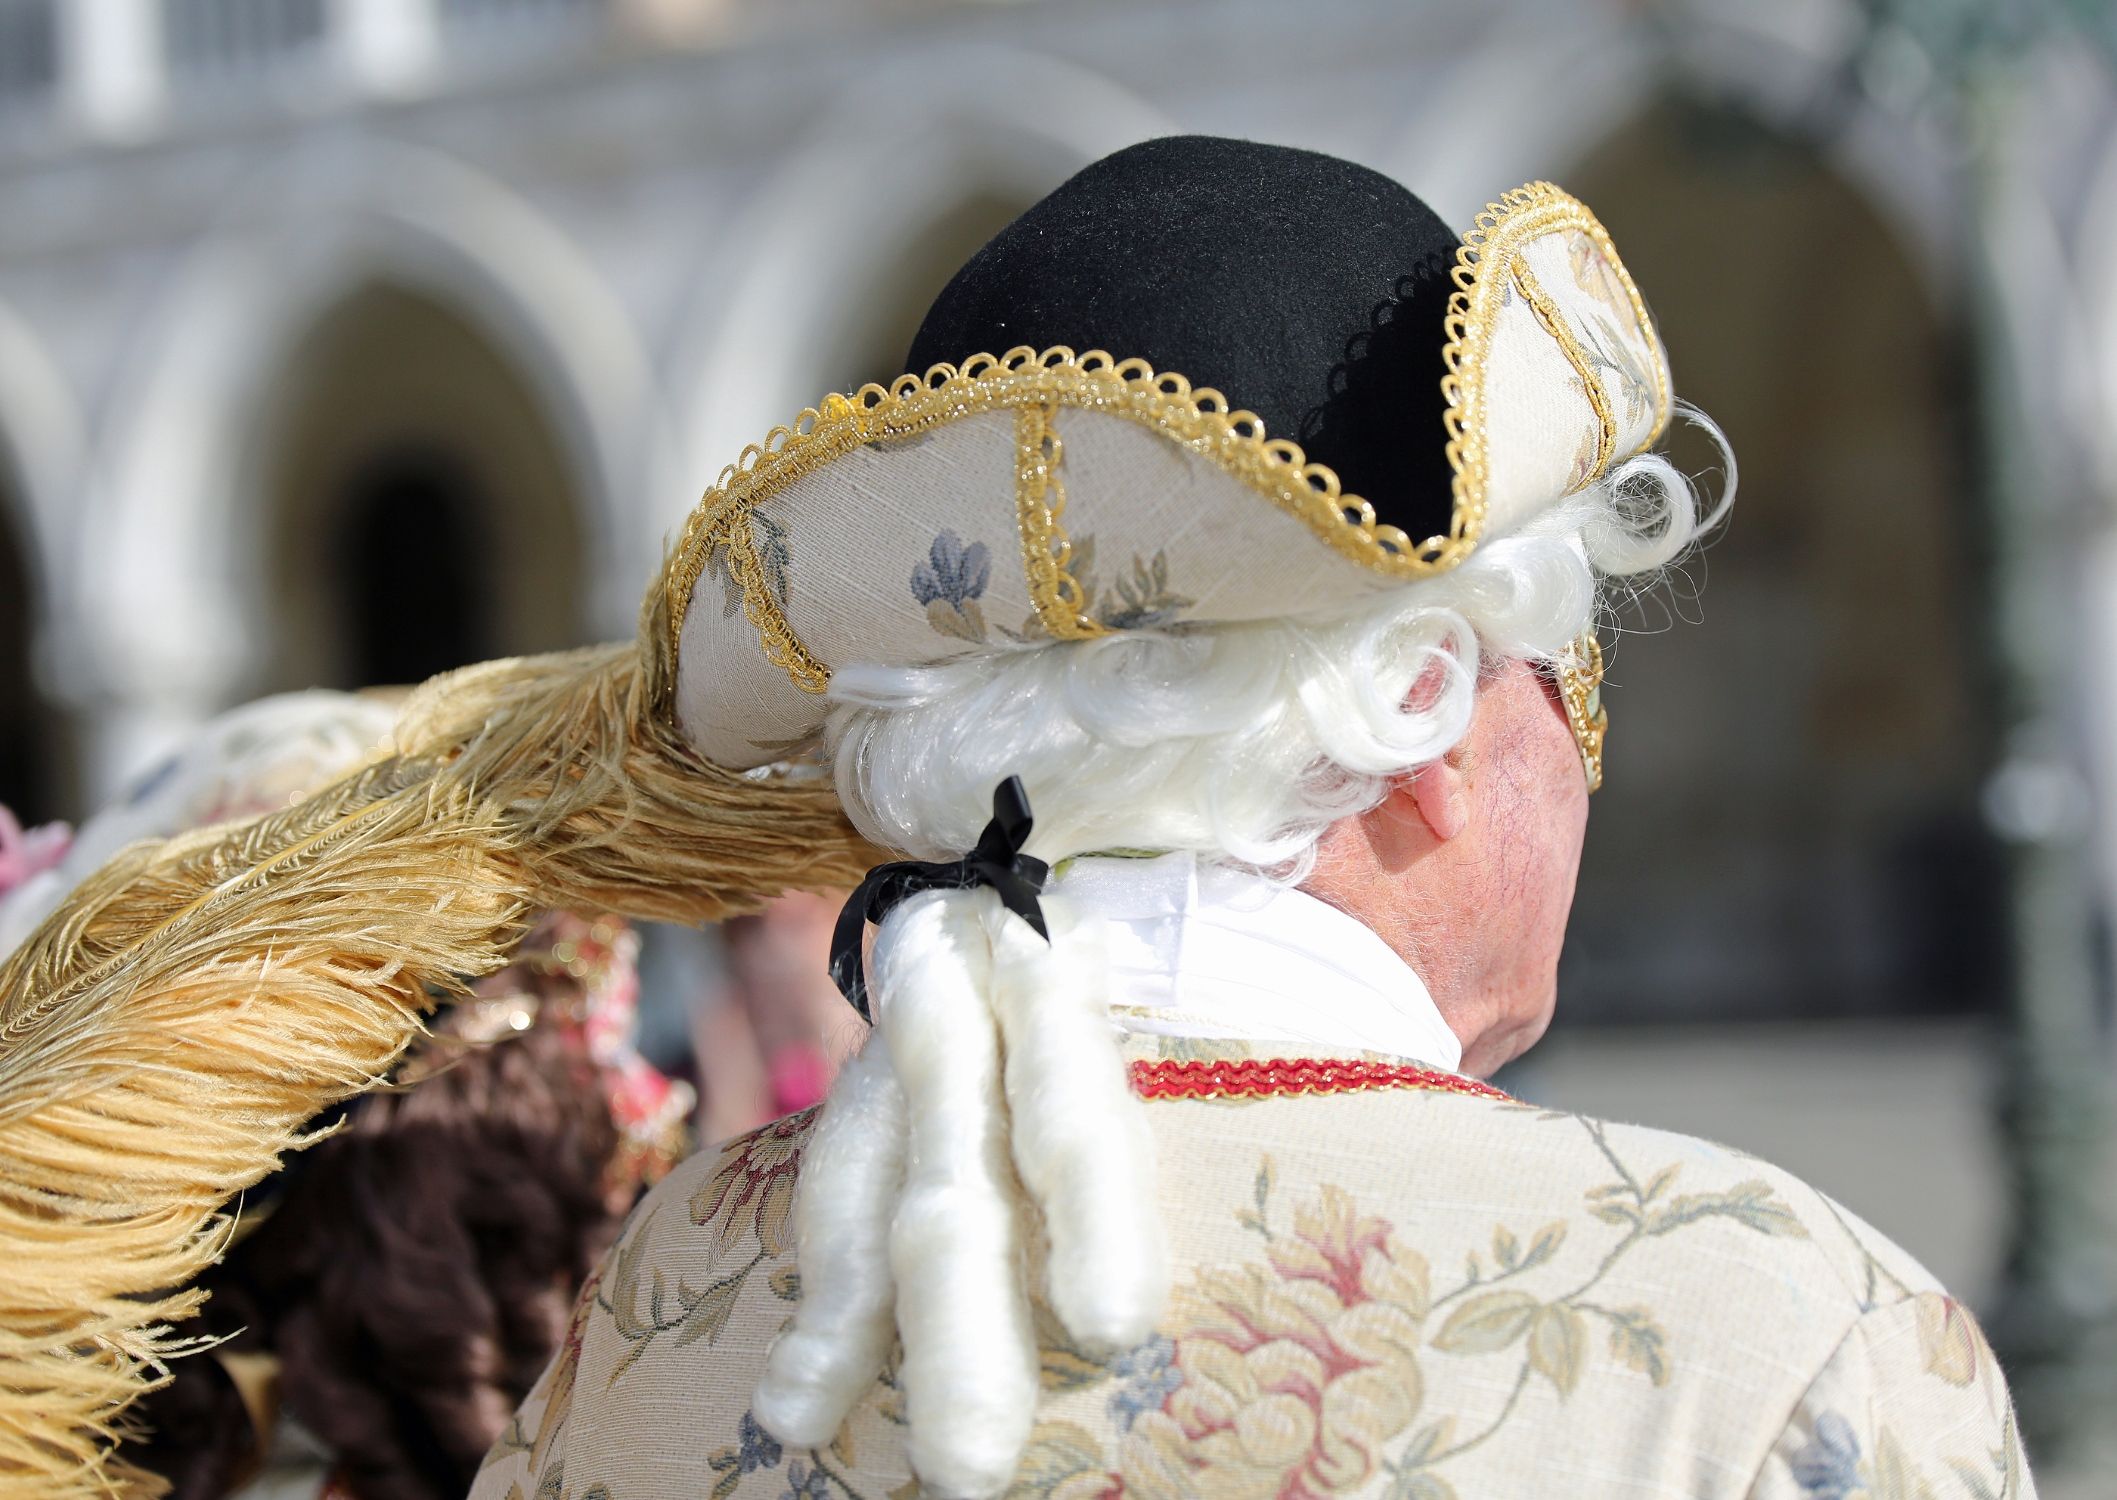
(1204, 381)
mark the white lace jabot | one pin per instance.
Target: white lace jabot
(1204, 951)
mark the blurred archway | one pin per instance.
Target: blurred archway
(1790, 825)
(29, 779)
(421, 513)
(872, 345)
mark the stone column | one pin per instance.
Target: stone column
(110, 62)
(388, 46)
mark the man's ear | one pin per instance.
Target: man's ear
(1442, 796)
(1420, 813)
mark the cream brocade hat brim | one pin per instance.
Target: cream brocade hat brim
(1048, 495)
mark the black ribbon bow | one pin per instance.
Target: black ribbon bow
(997, 861)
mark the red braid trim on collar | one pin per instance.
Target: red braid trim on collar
(1267, 1078)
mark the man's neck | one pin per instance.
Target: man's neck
(1201, 950)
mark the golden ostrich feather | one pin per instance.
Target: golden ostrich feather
(166, 1035)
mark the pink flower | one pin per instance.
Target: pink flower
(801, 1076)
(1296, 1376)
(26, 853)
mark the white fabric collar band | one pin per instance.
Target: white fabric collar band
(1200, 950)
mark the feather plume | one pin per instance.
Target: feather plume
(168, 1032)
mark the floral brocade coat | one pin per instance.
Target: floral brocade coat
(1393, 1285)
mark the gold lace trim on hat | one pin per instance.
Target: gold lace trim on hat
(1199, 420)
(759, 604)
(1040, 503)
(1554, 323)
(1035, 385)
(1496, 240)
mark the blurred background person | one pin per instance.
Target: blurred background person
(387, 1299)
(27, 853)
(250, 760)
(771, 1034)
(284, 283)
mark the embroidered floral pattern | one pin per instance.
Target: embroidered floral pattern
(1296, 1378)
(775, 557)
(1138, 599)
(949, 584)
(1951, 1345)
(754, 1450)
(757, 1448)
(1294, 1374)
(1833, 1466)
(1828, 1468)
(1594, 274)
(1331, 1340)
(752, 1191)
(774, 554)
(1610, 333)
(1149, 1375)
(1143, 599)
(951, 581)
(809, 1475)
(1951, 1349)
(749, 1196)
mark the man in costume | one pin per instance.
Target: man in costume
(1265, 640)
(1315, 789)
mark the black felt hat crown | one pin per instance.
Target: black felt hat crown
(1203, 381)
(1308, 288)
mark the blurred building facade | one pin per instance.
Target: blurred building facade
(342, 341)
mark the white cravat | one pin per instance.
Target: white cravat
(1201, 950)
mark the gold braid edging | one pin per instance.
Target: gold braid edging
(1554, 324)
(1580, 684)
(1494, 242)
(781, 646)
(1040, 505)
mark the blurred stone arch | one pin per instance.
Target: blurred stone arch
(1791, 826)
(820, 281)
(40, 461)
(419, 510)
(179, 602)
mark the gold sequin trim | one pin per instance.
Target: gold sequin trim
(1040, 505)
(1554, 323)
(1580, 687)
(1496, 240)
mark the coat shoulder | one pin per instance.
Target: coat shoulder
(1559, 1292)
(1409, 1292)
(1480, 1173)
